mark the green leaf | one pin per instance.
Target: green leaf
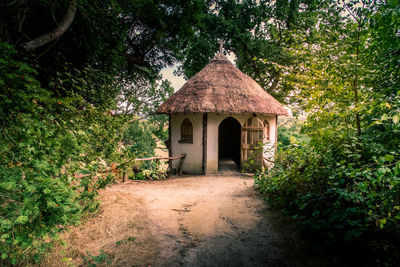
(21, 219)
(384, 117)
(389, 158)
(395, 119)
(5, 236)
(382, 223)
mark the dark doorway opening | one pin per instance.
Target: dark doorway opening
(229, 132)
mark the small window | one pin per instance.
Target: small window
(266, 130)
(186, 132)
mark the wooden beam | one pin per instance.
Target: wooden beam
(169, 142)
(181, 163)
(170, 158)
(276, 133)
(205, 122)
(182, 158)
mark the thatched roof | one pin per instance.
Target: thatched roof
(221, 87)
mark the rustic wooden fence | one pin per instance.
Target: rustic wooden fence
(124, 174)
(181, 160)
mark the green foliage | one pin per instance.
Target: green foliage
(121, 41)
(343, 184)
(64, 108)
(124, 241)
(289, 129)
(339, 202)
(45, 140)
(149, 170)
(92, 260)
(255, 30)
(139, 139)
(153, 171)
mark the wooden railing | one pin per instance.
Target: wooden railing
(181, 161)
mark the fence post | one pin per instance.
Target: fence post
(181, 163)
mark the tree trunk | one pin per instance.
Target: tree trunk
(275, 82)
(55, 33)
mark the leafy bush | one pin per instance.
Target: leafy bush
(44, 141)
(290, 128)
(140, 141)
(340, 198)
(153, 171)
(343, 186)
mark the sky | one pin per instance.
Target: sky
(176, 81)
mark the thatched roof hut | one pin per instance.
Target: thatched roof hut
(221, 87)
(219, 118)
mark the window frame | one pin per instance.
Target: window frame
(187, 132)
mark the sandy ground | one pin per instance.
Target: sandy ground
(190, 221)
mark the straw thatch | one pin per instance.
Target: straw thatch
(221, 87)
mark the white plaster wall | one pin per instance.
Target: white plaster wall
(215, 119)
(194, 152)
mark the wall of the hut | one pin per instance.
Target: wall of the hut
(193, 163)
(194, 160)
(214, 121)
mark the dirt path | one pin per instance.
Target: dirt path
(191, 221)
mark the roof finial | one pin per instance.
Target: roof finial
(221, 43)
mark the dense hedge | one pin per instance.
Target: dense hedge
(44, 141)
(345, 199)
(55, 154)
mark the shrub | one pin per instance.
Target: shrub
(339, 203)
(44, 141)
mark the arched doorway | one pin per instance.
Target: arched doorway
(229, 145)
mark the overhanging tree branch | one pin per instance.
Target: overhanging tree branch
(55, 33)
(275, 81)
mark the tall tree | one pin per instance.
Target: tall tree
(124, 41)
(63, 67)
(252, 30)
(343, 183)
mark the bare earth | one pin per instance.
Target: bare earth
(190, 221)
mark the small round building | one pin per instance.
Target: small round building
(222, 119)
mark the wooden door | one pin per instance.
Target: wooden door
(252, 144)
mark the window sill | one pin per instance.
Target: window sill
(186, 141)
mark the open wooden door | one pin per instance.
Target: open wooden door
(252, 144)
